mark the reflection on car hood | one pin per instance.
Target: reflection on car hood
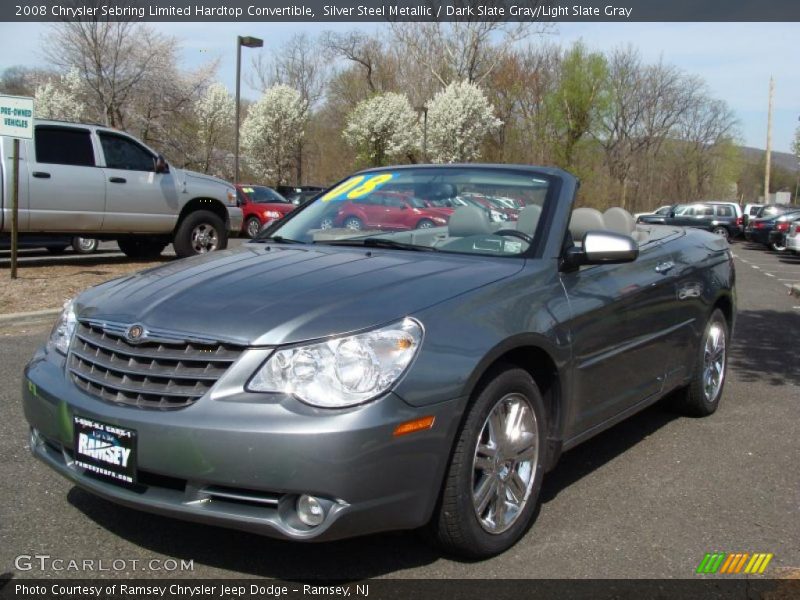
(205, 178)
(269, 294)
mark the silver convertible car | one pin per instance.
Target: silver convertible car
(319, 383)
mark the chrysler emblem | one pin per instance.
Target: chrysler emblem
(135, 334)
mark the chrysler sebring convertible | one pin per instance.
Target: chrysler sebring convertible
(320, 383)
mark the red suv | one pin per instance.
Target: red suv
(260, 205)
(388, 210)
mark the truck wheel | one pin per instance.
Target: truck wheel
(82, 245)
(142, 248)
(200, 232)
(701, 397)
(494, 478)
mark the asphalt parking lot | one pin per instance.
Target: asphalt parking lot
(647, 498)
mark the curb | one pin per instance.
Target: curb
(29, 317)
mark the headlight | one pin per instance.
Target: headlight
(62, 332)
(272, 214)
(231, 194)
(341, 371)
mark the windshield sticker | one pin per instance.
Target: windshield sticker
(357, 187)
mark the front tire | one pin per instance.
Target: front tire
(200, 232)
(252, 227)
(353, 224)
(701, 397)
(425, 224)
(495, 475)
(776, 247)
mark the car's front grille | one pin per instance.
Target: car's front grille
(164, 372)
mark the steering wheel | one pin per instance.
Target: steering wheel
(514, 233)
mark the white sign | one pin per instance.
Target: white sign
(16, 117)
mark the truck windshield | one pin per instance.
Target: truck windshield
(470, 210)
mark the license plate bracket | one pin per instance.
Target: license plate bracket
(107, 451)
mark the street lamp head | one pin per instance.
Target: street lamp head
(251, 42)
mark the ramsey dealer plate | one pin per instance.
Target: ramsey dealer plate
(106, 450)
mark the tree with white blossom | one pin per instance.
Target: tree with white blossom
(459, 119)
(216, 111)
(274, 126)
(62, 98)
(383, 129)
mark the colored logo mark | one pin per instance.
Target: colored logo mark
(734, 562)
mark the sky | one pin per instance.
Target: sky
(735, 59)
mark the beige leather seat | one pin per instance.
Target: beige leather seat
(583, 220)
(619, 220)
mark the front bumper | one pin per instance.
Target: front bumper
(241, 462)
(235, 219)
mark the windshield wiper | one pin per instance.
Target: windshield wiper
(373, 242)
(278, 239)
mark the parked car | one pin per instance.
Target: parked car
(319, 384)
(54, 244)
(100, 183)
(289, 190)
(774, 210)
(300, 198)
(261, 205)
(387, 210)
(719, 218)
(661, 211)
(793, 237)
(750, 212)
(777, 236)
(759, 231)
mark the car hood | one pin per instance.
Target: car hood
(264, 294)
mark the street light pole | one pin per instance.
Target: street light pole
(248, 42)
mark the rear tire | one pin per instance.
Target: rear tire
(722, 232)
(701, 397)
(492, 484)
(141, 248)
(777, 247)
(82, 245)
(200, 232)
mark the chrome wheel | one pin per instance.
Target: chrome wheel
(326, 223)
(353, 224)
(713, 362)
(253, 227)
(504, 466)
(85, 245)
(204, 238)
(425, 224)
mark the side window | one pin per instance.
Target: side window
(393, 202)
(707, 211)
(64, 146)
(122, 153)
(724, 211)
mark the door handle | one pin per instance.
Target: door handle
(664, 266)
(117, 180)
(41, 175)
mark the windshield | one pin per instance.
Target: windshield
(447, 209)
(261, 194)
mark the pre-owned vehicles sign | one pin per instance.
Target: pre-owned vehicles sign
(16, 117)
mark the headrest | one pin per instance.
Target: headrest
(529, 218)
(619, 220)
(468, 220)
(585, 219)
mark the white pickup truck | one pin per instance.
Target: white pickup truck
(101, 183)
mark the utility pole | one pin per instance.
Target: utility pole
(768, 164)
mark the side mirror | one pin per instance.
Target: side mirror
(601, 248)
(161, 165)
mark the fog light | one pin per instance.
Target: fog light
(310, 511)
